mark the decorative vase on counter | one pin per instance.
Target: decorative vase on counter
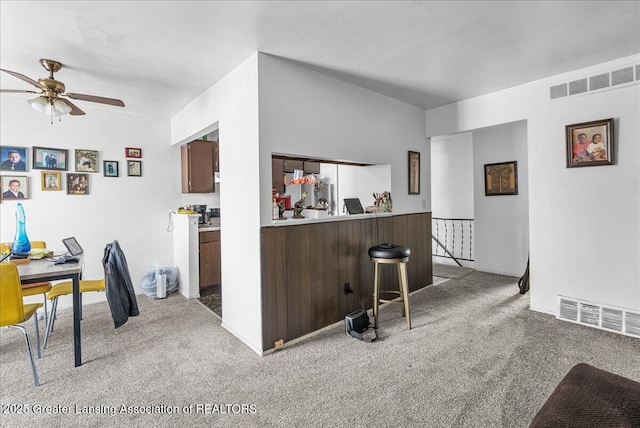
(21, 244)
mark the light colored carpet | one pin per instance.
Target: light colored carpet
(449, 271)
(476, 357)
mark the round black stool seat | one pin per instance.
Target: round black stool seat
(389, 251)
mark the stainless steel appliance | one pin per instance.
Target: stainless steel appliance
(202, 210)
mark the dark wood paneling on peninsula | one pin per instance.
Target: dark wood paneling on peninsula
(305, 267)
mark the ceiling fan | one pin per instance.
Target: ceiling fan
(50, 100)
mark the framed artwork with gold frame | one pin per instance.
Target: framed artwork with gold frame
(51, 180)
(414, 173)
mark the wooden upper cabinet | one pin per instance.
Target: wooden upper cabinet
(216, 156)
(291, 165)
(197, 159)
(311, 167)
(277, 174)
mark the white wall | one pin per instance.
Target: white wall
(231, 106)
(132, 210)
(362, 182)
(570, 256)
(501, 223)
(306, 113)
(501, 232)
(452, 176)
(300, 112)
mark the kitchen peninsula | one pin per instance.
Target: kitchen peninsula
(314, 272)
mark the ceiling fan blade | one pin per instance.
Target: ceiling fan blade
(95, 99)
(75, 111)
(18, 91)
(25, 78)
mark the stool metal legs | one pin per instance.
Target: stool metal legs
(376, 298)
(403, 288)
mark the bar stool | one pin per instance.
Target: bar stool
(391, 254)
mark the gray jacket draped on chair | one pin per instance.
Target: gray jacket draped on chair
(118, 285)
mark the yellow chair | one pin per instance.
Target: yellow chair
(64, 289)
(13, 311)
(38, 287)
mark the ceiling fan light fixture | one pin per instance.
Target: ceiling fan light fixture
(61, 107)
(39, 104)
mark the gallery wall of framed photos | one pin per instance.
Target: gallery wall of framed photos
(60, 169)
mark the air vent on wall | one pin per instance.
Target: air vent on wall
(610, 318)
(602, 81)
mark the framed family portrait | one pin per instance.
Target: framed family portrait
(590, 143)
(134, 168)
(54, 159)
(501, 178)
(77, 184)
(86, 160)
(14, 187)
(51, 180)
(414, 173)
(110, 168)
(13, 158)
(132, 152)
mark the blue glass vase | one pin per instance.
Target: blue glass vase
(21, 242)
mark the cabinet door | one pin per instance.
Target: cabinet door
(277, 173)
(290, 165)
(311, 167)
(216, 156)
(197, 167)
(210, 272)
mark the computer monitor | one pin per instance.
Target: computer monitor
(72, 245)
(353, 206)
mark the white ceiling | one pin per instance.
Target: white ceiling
(157, 56)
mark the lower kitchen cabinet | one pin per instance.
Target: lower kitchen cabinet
(313, 274)
(210, 273)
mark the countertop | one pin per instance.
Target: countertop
(296, 221)
(214, 224)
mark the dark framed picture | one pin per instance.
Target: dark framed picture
(414, 173)
(14, 187)
(132, 152)
(86, 160)
(13, 158)
(51, 180)
(54, 159)
(110, 168)
(501, 178)
(590, 143)
(77, 184)
(134, 168)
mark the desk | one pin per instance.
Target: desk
(44, 270)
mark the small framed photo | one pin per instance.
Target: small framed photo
(134, 168)
(132, 152)
(414, 173)
(51, 180)
(54, 159)
(77, 184)
(501, 178)
(86, 160)
(14, 187)
(110, 168)
(590, 143)
(13, 158)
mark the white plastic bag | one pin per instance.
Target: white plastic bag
(159, 281)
